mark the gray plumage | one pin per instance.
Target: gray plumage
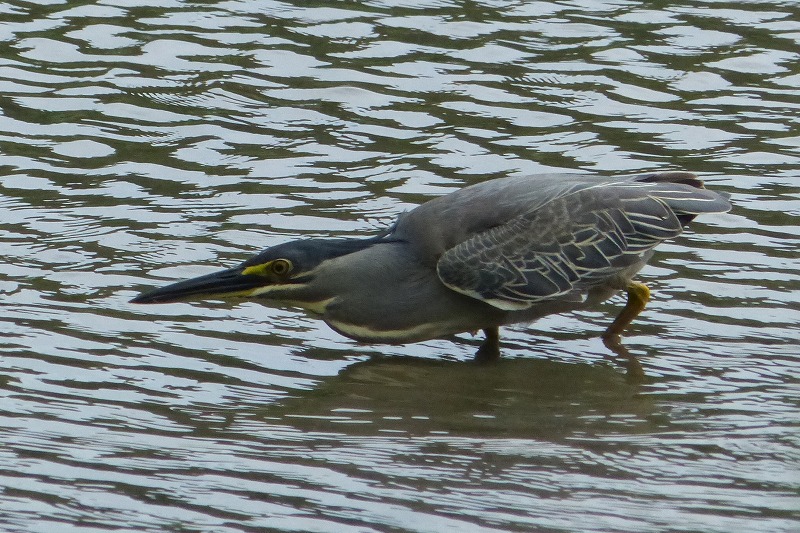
(498, 252)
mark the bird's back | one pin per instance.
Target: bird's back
(515, 242)
(448, 220)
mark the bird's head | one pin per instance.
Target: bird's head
(284, 272)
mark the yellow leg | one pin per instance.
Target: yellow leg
(638, 296)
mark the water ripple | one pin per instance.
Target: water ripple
(146, 143)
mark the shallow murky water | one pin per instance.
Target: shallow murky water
(142, 143)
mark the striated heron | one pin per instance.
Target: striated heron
(500, 252)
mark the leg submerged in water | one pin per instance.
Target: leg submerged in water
(638, 296)
(490, 349)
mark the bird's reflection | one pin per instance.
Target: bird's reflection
(511, 395)
(619, 354)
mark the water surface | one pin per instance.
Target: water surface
(143, 143)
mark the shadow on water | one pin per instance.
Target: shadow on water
(525, 397)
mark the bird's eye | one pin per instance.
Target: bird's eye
(281, 267)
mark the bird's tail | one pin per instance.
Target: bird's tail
(686, 194)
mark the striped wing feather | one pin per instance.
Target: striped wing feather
(573, 242)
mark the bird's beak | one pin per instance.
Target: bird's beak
(225, 284)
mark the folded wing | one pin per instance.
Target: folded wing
(574, 241)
